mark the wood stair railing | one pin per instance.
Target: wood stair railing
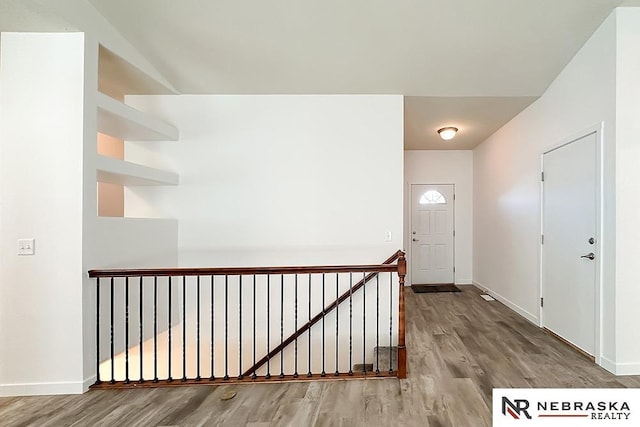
(304, 328)
(134, 306)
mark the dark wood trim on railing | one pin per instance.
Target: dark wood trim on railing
(402, 349)
(239, 271)
(327, 309)
(244, 379)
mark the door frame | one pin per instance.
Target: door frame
(410, 219)
(598, 130)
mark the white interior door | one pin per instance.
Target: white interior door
(569, 250)
(432, 210)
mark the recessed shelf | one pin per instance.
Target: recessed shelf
(116, 171)
(118, 77)
(124, 122)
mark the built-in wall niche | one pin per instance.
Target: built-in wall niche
(118, 122)
(110, 196)
(118, 78)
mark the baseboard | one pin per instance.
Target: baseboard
(515, 307)
(620, 368)
(88, 383)
(464, 282)
(40, 389)
(608, 364)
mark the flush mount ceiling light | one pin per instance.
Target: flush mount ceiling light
(447, 133)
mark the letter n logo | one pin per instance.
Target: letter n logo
(516, 409)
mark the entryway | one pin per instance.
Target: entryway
(432, 234)
(570, 253)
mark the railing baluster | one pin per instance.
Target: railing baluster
(281, 324)
(170, 378)
(198, 378)
(337, 372)
(113, 373)
(226, 327)
(155, 329)
(126, 330)
(268, 375)
(390, 322)
(254, 376)
(350, 323)
(295, 326)
(212, 376)
(378, 324)
(184, 329)
(309, 341)
(323, 314)
(299, 325)
(140, 321)
(364, 325)
(240, 327)
(98, 332)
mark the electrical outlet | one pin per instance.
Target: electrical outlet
(388, 237)
(26, 246)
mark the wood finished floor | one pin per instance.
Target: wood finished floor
(459, 347)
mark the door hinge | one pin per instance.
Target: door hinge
(541, 302)
(542, 176)
(454, 196)
(454, 269)
(542, 239)
(454, 233)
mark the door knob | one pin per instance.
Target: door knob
(589, 256)
(415, 240)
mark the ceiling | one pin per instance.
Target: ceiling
(470, 63)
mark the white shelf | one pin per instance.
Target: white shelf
(124, 122)
(116, 171)
(118, 77)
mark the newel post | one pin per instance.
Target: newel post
(402, 349)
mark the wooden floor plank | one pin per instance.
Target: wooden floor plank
(460, 347)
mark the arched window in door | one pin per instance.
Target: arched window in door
(432, 197)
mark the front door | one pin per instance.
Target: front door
(569, 249)
(432, 209)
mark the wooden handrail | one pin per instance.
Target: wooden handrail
(402, 349)
(239, 271)
(396, 256)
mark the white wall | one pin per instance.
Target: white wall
(81, 15)
(281, 180)
(445, 167)
(278, 179)
(507, 180)
(48, 85)
(41, 137)
(112, 242)
(627, 191)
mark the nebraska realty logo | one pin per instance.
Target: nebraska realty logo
(565, 407)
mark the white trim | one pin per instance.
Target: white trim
(88, 383)
(620, 368)
(627, 369)
(598, 130)
(513, 306)
(608, 365)
(40, 389)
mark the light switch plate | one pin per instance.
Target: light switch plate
(26, 246)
